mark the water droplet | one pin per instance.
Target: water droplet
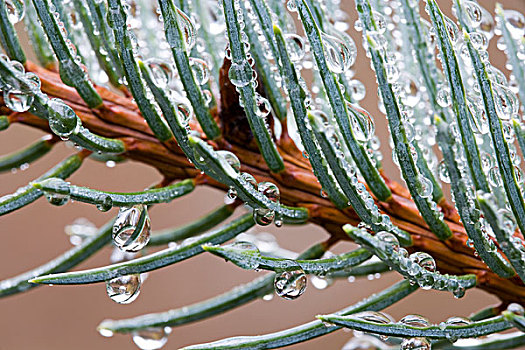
(263, 216)
(243, 247)
(105, 332)
(507, 220)
(494, 176)
(443, 97)
(63, 189)
(231, 159)
(18, 101)
(415, 344)
(424, 260)
(161, 72)
(373, 316)
(16, 10)
(62, 119)
(361, 122)
(516, 309)
(415, 321)
(320, 282)
(124, 289)
(389, 239)
(249, 179)
(184, 112)
(380, 22)
(479, 41)
(505, 101)
(188, 30)
(263, 106)
(291, 5)
(200, 70)
(443, 172)
(473, 12)
(269, 190)
(290, 284)
(339, 57)
(452, 30)
(457, 321)
(151, 338)
(131, 230)
(424, 188)
(241, 74)
(515, 23)
(268, 297)
(104, 202)
(357, 90)
(296, 47)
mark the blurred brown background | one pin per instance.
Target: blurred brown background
(64, 317)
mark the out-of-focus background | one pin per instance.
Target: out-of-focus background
(63, 317)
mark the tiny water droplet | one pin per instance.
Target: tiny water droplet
(104, 202)
(124, 289)
(131, 231)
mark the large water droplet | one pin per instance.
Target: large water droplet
(131, 230)
(357, 90)
(124, 289)
(443, 97)
(290, 284)
(339, 57)
(62, 120)
(415, 344)
(269, 190)
(151, 338)
(16, 10)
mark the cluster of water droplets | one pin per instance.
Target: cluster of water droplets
(19, 91)
(418, 267)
